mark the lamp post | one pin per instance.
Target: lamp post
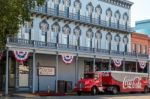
(38, 66)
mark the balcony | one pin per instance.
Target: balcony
(38, 44)
(81, 19)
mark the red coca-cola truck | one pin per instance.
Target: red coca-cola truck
(113, 82)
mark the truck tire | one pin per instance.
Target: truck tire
(146, 90)
(79, 93)
(94, 91)
(114, 90)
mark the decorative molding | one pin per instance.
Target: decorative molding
(117, 15)
(44, 26)
(55, 27)
(89, 33)
(67, 3)
(77, 5)
(122, 3)
(90, 8)
(98, 34)
(98, 10)
(66, 29)
(109, 36)
(77, 31)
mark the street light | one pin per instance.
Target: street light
(38, 66)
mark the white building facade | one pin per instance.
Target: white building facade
(93, 31)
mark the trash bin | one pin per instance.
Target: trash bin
(61, 86)
(68, 86)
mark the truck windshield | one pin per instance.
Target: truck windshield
(86, 76)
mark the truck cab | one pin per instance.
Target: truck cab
(90, 83)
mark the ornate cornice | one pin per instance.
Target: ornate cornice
(122, 3)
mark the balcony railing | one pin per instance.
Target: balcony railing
(81, 18)
(39, 44)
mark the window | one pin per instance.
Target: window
(55, 32)
(125, 18)
(109, 38)
(98, 36)
(125, 40)
(108, 15)
(66, 32)
(138, 48)
(90, 9)
(77, 33)
(144, 50)
(44, 26)
(77, 6)
(98, 11)
(89, 35)
(56, 6)
(67, 4)
(117, 39)
(117, 17)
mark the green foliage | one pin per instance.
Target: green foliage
(13, 13)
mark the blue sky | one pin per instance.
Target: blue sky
(140, 10)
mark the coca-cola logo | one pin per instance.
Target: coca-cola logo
(129, 83)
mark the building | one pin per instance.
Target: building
(67, 38)
(143, 27)
(140, 43)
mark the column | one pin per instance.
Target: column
(7, 72)
(34, 73)
(76, 69)
(94, 64)
(57, 59)
(109, 64)
(136, 65)
(149, 73)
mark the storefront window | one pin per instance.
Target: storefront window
(23, 75)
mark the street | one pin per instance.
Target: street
(120, 96)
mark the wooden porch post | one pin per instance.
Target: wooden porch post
(7, 72)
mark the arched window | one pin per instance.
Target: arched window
(77, 33)
(117, 17)
(98, 36)
(77, 6)
(117, 40)
(125, 40)
(109, 38)
(98, 11)
(56, 6)
(67, 4)
(55, 32)
(125, 18)
(108, 16)
(44, 26)
(89, 35)
(66, 31)
(28, 26)
(90, 9)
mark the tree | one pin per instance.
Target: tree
(12, 14)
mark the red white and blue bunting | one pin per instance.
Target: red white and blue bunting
(117, 62)
(21, 56)
(142, 64)
(67, 58)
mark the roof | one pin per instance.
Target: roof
(143, 21)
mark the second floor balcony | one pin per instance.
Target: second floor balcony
(82, 19)
(75, 49)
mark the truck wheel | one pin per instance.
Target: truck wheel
(146, 89)
(94, 91)
(114, 90)
(79, 93)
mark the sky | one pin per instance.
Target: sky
(140, 10)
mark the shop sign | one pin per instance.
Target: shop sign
(46, 71)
